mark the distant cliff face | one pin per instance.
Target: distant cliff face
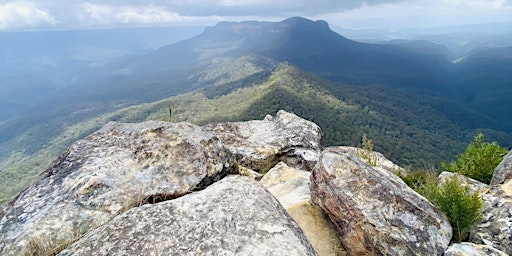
(176, 188)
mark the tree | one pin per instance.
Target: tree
(478, 160)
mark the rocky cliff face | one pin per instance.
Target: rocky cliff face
(161, 188)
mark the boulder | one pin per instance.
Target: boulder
(235, 216)
(471, 249)
(114, 169)
(374, 211)
(503, 171)
(261, 144)
(291, 187)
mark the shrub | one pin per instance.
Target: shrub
(461, 206)
(418, 178)
(366, 153)
(478, 160)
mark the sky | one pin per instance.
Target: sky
(77, 14)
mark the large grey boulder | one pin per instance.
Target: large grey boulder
(114, 169)
(291, 187)
(261, 144)
(471, 249)
(503, 171)
(373, 210)
(235, 216)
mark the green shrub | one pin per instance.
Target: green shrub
(461, 206)
(418, 178)
(478, 160)
(366, 153)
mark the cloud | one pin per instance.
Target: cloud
(90, 13)
(24, 14)
(127, 14)
(410, 14)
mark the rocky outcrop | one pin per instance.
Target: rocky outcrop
(261, 144)
(114, 169)
(503, 171)
(161, 188)
(374, 211)
(235, 216)
(470, 249)
(291, 187)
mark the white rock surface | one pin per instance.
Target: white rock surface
(235, 216)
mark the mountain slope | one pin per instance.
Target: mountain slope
(485, 78)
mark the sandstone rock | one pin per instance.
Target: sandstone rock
(495, 228)
(261, 144)
(374, 211)
(291, 187)
(503, 171)
(235, 216)
(114, 169)
(470, 249)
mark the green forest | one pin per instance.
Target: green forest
(414, 133)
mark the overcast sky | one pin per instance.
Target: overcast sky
(69, 14)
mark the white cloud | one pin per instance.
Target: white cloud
(423, 14)
(352, 13)
(126, 14)
(24, 14)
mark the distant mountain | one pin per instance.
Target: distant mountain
(310, 45)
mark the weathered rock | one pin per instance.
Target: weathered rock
(235, 216)
(374, 211)
(495, 228)
(291, 187)
(114, 169)
(503, 171)
(261, 144)
(471, 249)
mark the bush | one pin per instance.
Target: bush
(461, 206)
(478, 161)
(366, 153)
(417, 179)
